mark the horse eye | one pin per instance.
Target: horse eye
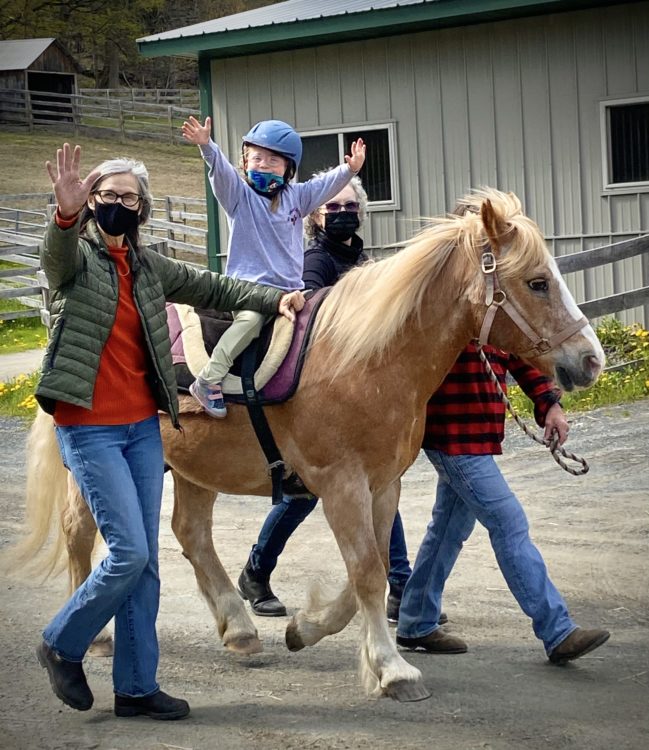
(538, 285)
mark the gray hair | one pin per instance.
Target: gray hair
(311, 224)
(123, 165)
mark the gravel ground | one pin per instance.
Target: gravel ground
(593, 532)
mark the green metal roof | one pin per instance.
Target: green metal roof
(305, 23)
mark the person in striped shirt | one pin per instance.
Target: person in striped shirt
(464, 430)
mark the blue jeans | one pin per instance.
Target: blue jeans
(286, 516)
(469, 488)
(119, 470)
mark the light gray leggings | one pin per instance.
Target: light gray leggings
(247, 326)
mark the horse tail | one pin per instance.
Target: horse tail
(46, 498)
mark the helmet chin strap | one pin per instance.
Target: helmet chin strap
(496, 299)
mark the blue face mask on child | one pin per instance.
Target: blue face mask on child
(265, 182)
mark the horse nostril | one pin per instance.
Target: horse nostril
(593, 362)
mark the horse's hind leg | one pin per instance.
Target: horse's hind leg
(80, 534)
(192, 525)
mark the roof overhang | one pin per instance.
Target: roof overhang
(348, 27)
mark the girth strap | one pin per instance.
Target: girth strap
(259, 422)
(284, 482)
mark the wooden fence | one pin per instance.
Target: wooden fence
(94, 114)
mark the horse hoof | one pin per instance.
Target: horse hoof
(102, 648)
(294, 640)
(244, 645)
(406, 691)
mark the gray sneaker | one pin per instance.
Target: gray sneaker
(210, 397)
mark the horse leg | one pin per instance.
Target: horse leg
(80, 533)
(360, 524)
(402, 687)
(319, 618)
(192, 524)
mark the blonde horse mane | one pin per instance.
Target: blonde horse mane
(370, 305)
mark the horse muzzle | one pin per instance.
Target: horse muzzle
(580, 374)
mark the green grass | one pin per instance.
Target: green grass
(17, 397)
(21, 334)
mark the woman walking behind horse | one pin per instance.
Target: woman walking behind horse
(334, 248)
(106, 373)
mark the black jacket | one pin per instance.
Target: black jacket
(326, 260)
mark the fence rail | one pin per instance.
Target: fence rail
(125, 116)
(601, 256)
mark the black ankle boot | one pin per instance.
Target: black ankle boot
(256, 589)
(67, 678)
(393, 603)
(157, 706)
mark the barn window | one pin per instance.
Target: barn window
(625, 127)
(324, 149)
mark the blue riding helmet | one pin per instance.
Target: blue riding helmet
(278, 136)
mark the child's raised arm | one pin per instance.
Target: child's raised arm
(196, 133)
(357, 159)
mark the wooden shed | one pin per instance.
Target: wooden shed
(31, 69)
(546, 98)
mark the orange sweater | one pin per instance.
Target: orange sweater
(122, 392)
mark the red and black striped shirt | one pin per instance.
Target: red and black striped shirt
(466, 415)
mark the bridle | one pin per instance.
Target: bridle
(496, 299)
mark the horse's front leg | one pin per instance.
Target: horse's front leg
(192, 524)
(395, 676)
(358, 521)
(80, 534)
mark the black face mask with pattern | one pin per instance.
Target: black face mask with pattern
(341, 225)
(116, 219)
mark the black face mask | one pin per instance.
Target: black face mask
(115, 219)
(341, 225)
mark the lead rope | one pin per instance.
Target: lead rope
(556, 450)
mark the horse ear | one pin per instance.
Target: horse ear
(495, 226)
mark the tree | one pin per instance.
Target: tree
(101, 34)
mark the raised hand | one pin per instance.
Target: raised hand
(196, 133)
(357, 159)
(70, 190)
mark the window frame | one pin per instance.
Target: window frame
(609, 187)
(340, 130)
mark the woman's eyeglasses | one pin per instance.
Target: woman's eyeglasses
(351, 206)
(130, 200)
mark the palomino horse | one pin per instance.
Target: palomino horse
(386, 336)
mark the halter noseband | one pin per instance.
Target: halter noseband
(496, 299)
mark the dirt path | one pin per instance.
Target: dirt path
(593, 532)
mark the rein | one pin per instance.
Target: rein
(496, 299)
(553, 443)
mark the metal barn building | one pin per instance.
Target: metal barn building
(548, 99)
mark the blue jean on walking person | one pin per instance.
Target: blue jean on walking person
(472, 487)
(286, 516)
(119, 470)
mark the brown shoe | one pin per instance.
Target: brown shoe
(437, 642)
(578, 643)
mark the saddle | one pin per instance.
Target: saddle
(267, 372)
(278, 352)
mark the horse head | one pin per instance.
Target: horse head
(521, 302)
